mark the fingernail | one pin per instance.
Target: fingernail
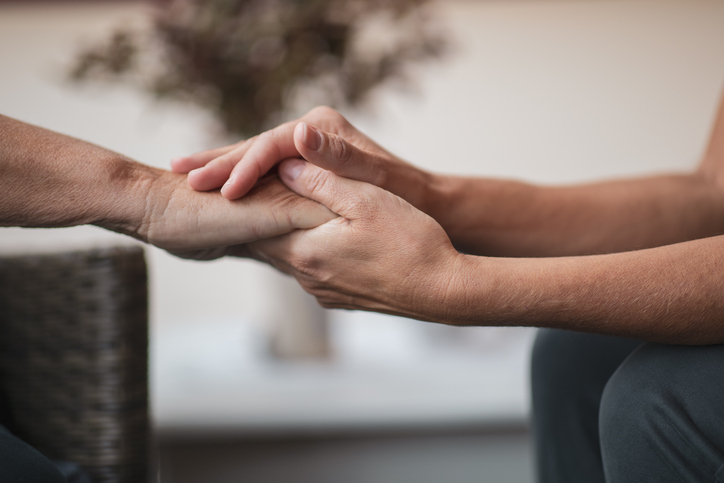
(228, 183)
(293, 168)
(312, 137)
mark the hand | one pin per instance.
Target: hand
(380, 254)
(334, 144)
(205, 226)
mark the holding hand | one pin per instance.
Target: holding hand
(380, 254)
(205, 226)
(323, 137)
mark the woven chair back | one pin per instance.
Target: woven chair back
(74, 358)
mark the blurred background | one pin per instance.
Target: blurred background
(250, 380)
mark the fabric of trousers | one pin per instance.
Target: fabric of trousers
(608, 409)
(21, 463)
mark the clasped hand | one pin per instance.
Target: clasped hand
(381, 253)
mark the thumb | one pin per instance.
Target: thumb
(346, 197)
(333, 152)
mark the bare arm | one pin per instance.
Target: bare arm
(491, 216)
(51, 180)
(384, 255)
(670, 294)
(509, 218)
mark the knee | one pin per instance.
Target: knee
(626, 407)
(649, 414)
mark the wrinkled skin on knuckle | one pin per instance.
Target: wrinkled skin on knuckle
(332, 121)
(316, 181)
(340, 149)
(364, 203)
(309, 267)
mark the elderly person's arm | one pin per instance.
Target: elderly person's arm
(51, 180)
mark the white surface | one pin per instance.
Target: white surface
(216, 379)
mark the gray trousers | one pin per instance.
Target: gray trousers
(615, 410)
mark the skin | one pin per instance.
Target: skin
(636, 257)
(51, 180)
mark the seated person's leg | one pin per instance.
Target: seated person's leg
(569, 372)
(20, 462)
(662, 416)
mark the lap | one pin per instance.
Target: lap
(636, 411)
(662, 415)
(569, 371)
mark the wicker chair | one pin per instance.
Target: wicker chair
(73, 358)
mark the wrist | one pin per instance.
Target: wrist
(132, 189)
(422, 189)
(438, 196)
(482, 292)
(458, 292)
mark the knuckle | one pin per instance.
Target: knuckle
(265, 137)
(316, 180)
(308, 265)
(339, 148)
(379, 173)
(365, 200)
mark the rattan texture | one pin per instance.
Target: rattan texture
(74, 358)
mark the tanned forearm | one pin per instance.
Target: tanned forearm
(508, 218)
(669, 294)
(51, 180)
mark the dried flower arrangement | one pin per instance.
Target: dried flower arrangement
(253, 61)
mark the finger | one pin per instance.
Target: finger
(332, 152)
(219, 171)
(211, 176)
(268, 149)
(188, 163)
(343, 196)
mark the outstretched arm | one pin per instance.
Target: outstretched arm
(492, 216)
(383, 255)
(51, 180)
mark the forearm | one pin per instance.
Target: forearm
(51, 180)
(668, 294)
(505, 218)
(508, 218)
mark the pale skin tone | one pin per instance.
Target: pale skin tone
(51, 180)
(639, 258)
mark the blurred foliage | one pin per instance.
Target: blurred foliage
(251, 61)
